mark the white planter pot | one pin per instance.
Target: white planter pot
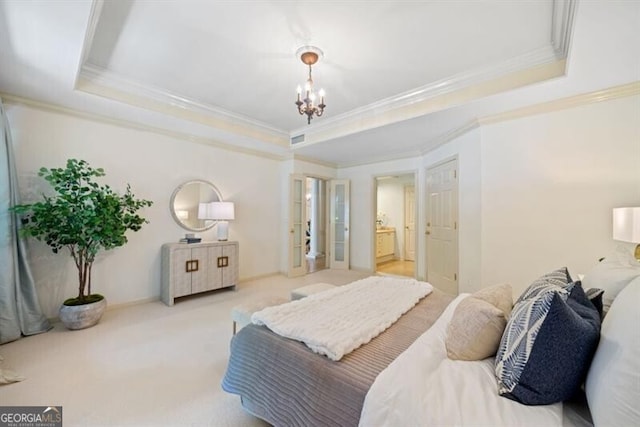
(82, 316)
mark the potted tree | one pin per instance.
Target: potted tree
(85, 218)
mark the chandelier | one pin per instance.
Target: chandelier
(309, 55)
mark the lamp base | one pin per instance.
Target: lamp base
(637, 253)
(223, 231)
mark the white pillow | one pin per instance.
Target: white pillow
(613, 380)
(612, 274)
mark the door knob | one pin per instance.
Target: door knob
(427, 232)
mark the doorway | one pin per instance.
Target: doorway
(316, 226)
(319, 235)
(395, 232)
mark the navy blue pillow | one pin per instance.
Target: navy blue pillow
(560, 354)
(595, 296)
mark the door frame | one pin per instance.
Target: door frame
(406, 227)
(374, 210)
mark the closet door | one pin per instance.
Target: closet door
(339, 224)
(442, 227)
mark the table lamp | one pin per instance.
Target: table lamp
(218, 211)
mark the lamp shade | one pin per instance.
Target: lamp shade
(216, 211)
(626, 224)
(203, 211)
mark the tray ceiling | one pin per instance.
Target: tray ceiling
(401, 77)
(235, 61)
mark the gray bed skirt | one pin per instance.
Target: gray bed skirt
(283, 382)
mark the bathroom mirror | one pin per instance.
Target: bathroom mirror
(185, 201)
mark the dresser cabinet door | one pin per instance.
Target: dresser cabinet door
(199, 275)
(181, 276)
(215, 271)
(230, 272)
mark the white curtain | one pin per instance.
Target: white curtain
(20, 312)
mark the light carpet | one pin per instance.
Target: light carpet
(147, 364)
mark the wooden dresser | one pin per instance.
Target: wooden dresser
(197, 267)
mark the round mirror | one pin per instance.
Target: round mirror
(186, 200)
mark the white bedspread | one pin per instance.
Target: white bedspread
(423, 387)
(337, 321)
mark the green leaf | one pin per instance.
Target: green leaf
(83, 216)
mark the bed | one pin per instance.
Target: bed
(403, 376)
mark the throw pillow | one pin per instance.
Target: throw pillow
(478, 322)
(500, 296)
(612, 383)
(612, 274)
(559, 278)
(547, 346)
(595, 296)
(475, 330)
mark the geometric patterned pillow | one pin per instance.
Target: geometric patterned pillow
(519, 336)
(547, 346)
(559, 278)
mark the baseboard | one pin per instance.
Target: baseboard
(131, 303)
(260, 276)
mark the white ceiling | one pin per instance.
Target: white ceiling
(398, 74)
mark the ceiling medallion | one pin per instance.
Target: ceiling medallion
(309, 55)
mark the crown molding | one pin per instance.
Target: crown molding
(439, 102)
(44, 106)
(460, 81)
(306, 159)
(94, 18)
(608, 94)
(99, 81)
(404, 155)
(450, 136)
(431, 145)
(562, 17)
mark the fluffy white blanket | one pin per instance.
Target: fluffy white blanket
(337, 321)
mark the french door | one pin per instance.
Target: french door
(338, 246)
(339, 224)
(297, 226)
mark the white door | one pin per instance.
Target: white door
(442, 227)
(339, 225)
(409, 223)
(297, 226)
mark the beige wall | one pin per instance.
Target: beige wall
(154, 165)
(535, 193)
(549, 183)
